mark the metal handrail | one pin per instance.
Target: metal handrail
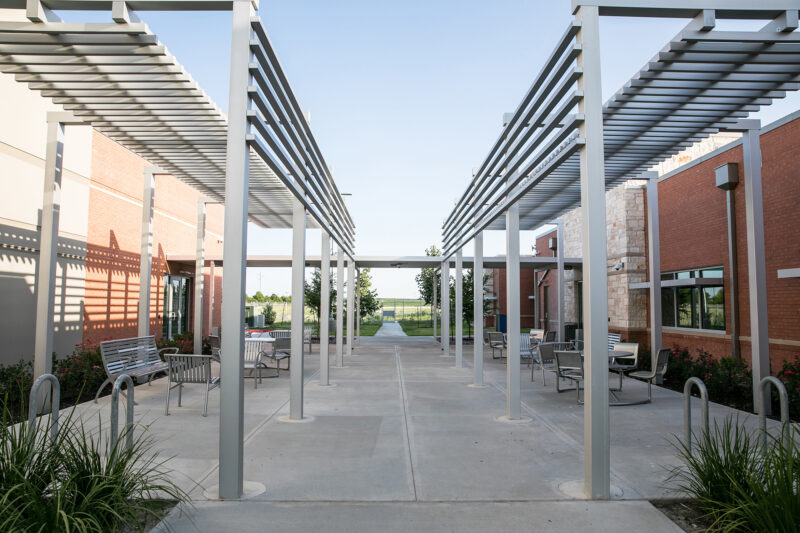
(762, 412)
(33, 406)
(124, 378)
(687, 409)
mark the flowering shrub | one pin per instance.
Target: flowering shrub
(15, 384)
(81, 373)
(184, 343)
(790, 375)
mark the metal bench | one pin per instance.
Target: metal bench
(139, 357)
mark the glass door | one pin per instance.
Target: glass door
(176, 305)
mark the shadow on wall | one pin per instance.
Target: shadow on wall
(19, 263)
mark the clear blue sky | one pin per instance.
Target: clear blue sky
(406, 97)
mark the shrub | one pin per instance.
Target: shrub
(15, 383)
(78, 482)
(790, 376)
(738, 485)
(81, 372)
(269, 315)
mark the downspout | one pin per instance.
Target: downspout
(727, 177)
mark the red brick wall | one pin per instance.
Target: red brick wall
(694, 235)
(114, 240)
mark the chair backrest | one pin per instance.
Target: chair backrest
(613, 338)
(660, 368)
(282, 344)
(550, 336)
(525, 344)
(486, 336)
(281, 333)
(547, 353)
(189, 368)
(253, 347)
(628, 347)
(128, 354)
(307, 332)
(495, 337)
(569, 360)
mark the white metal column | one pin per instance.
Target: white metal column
(477, 292)
(351, 300)
(446, 306)
(48, 247)
(199, 272)
(596, 434)
(513, 400)
(339, 307)
(560, 274)
(146, 258)
(435, 306)
(212, 282)
(298, 309)
(459, 311)
(654, 263)
(358, 307)
(234, 256)
(324, 309)
(756, 254)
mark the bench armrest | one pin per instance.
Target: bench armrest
(164, 350)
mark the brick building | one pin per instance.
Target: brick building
(694, 244)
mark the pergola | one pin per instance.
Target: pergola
(563, 147)
(261, 161)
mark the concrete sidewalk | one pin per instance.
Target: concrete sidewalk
(390, 329)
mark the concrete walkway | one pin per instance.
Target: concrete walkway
(390, 329)
(402, 443)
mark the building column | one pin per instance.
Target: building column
(351, 301)
(199, 273)
(477, 292)
(560, 276)
(459, 311)
(536, 318)
(212, 282)
(446, 306)
(756, 255)
(298, 307)
(434, 314)
(340, 308)
(358, 307)
(48, 248)
(146, 258)
(513, 400)
(654, 263)
(324, 309)
(596, 433)
(237, 178)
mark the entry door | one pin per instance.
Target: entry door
(176, 305)
(546, 310)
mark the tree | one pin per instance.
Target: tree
(468, 298)
(269, 314)
(313, 293)
(425, 279)
(369, 297)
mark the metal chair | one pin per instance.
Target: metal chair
(620, 365)
(526, 349)
(307, 336)
(570, 366)
(546, 359)
(254, 351)
(613, 339)
(659, 368)
(281, 349)
(550, 336)
(497, 341)
(189, 368)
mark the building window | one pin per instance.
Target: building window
(694, 306)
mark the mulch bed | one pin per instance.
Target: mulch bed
(685, 513)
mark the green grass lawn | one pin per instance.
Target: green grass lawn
(368, 329)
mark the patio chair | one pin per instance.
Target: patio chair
(189, 368)
(281, 349)
(254, 352)
(214, 342)
(659, 368)
(620, 365)
(613, 339)
(526, 349)
(550, 336)
(570, 366)
(497, 341)
(546, 359)
(307, 332)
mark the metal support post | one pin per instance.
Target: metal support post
(654, 263)
(324, 309)
(212, 282)
(477, 292)
(340, 308)
(536, 302)
(48, 250)
(446, 306)
(459, 311)
(513, 399)
(358, 307)
(146, 258)
(560, 275)
(234, 256)
(298, 314)
(199, 273)
(596, 433)
(351, 301)
(435, 306)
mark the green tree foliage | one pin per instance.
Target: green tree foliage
(425, 279)
(313, 293)
(369, 296)
(269, 314)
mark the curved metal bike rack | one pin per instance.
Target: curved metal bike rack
(687, 409)
(124, 378)
(762, 417)
(33, 405)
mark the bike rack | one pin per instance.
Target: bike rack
(687, 409)
(124, 378)
(762, 416)
(33, 408)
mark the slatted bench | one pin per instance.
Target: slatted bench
(139, 357)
